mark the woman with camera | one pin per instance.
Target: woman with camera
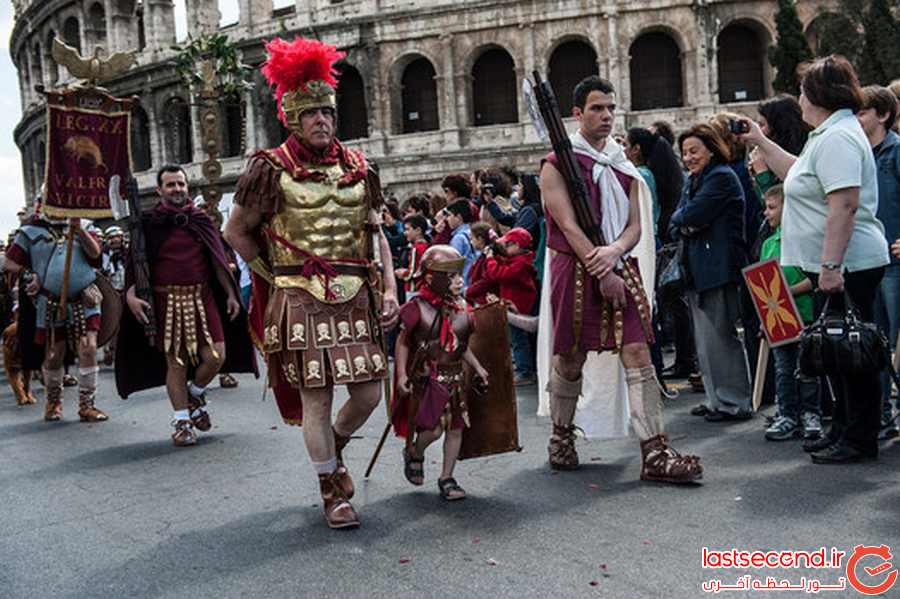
(710, 220)
(830, 231)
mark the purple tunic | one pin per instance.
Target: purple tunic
(562, 291)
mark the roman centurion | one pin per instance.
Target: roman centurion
(306, 220)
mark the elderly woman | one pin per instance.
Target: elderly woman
(710, 220)
(829, 230)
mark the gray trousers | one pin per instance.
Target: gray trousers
(720, 353)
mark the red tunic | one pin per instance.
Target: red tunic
(562, 290)
(182, 260)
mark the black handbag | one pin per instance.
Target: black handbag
(841, 343)
(671, 272)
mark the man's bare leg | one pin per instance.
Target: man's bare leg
(318, 436)
(659, 461)
(87, 379)
(565, 388)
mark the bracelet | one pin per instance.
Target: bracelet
(830, 265)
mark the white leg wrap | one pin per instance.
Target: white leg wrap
(563, 398)
(645, 402)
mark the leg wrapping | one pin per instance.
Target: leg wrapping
(563, 398)
(645, 402)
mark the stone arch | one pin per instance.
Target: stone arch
(352, 111)
(272, 131)
(655, 70)
(71, 32)
(177, 134)
(418, 96)
(95, 26)
(571, 61)
(52, 67)
(37, 65)
(830, 24)
(494, 87)
(140, 140)
(741, 62)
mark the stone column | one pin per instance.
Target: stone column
(252, 142)
(447, 85)
(159, 23)
(525, 69)
(157, 154)
(254, 13)
(202, 17)
(617, 69)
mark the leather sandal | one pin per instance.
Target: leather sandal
(450, 489)
(414, 476)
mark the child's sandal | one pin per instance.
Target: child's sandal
(450, 490)
(415, 476)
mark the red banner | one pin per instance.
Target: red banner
(88, 141)
(774, 303)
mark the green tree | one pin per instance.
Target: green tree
(790, 49)
(879, 61)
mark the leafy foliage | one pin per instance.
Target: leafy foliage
(790, 50)
(233, 76)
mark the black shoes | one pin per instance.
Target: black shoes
(717, 416)
(820, 444)
(699, 410)
(840, 453)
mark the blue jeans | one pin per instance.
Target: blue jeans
(523, 353)
(887, 316)
(796, 393)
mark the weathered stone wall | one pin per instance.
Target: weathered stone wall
(381, 38)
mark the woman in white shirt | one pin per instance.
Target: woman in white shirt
(829, 230)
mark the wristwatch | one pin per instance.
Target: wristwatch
(831, 265)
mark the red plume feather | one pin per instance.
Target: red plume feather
(292, 65)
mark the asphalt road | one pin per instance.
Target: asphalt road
(114, 510)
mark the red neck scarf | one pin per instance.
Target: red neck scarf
(293, 155)
(448, 308)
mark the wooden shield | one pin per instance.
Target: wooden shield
(110, 310)
(494, 418)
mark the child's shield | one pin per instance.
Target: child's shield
(494, 420)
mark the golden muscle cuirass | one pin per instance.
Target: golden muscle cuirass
(325, 221)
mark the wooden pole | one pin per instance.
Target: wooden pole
(384, 436)
(759, 381)
(64, 292)
(896, 360)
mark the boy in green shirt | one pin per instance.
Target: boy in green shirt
(799, 412)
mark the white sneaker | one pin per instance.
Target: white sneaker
(812, 425)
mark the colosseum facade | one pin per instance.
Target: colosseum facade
(428, 86)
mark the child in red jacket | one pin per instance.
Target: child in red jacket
(481, 289)
(516, 277)
(414, 228)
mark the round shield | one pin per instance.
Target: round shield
(110, 310)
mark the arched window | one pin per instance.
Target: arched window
(97, 24)
(741, 58)
(569, 64)
(125, 7)
(419, 97)
(494, 90)
(177, 131)
(232, 126)
(37, 68)
(352, 115)
(72, 33)
(140, 140)
(273, 131)
(52, 67)
(141, 27)
(655, 72)
(827, 34)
